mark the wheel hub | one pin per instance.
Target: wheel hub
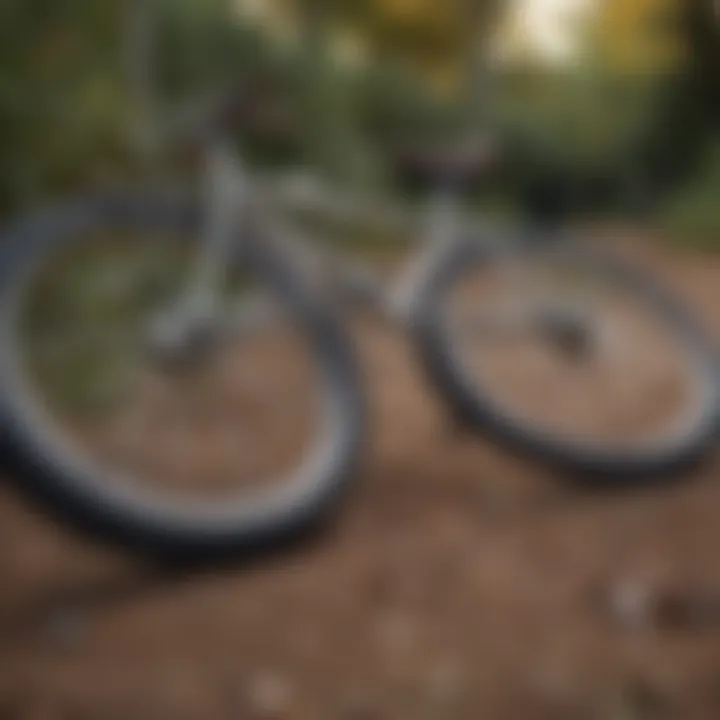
(571, 332)
(178, 341)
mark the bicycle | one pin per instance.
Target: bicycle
(177, 312)
(459, 253)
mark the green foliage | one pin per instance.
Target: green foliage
(65, 100)
(593, 133)
(394, 105)
(581, 117)
(581, 129)
(57, 107)
(690, 114)
(693, 216)
(201, 45)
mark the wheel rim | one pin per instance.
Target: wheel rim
(96, 454)
(643, 385)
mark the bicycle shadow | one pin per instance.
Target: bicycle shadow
(34, 612)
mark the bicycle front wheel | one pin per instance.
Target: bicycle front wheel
(571, 356)
(237, 437)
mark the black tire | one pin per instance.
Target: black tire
(52, 478)
(473, 405)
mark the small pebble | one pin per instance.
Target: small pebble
(396, 633)
(630, 603)
(66, 629)
(270, 696)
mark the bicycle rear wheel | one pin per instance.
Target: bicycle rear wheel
(244, 436)
(570, 356)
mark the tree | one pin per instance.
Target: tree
(690, 116)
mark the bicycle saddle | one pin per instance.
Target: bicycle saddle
(460, 164)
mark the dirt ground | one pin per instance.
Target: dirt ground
(458, 582)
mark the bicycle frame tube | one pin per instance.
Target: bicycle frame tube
(442, 229)
(226, 192)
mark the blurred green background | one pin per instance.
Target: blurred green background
(615, 112)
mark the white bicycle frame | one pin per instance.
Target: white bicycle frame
(231, 192)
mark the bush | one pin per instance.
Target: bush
(693, 214)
